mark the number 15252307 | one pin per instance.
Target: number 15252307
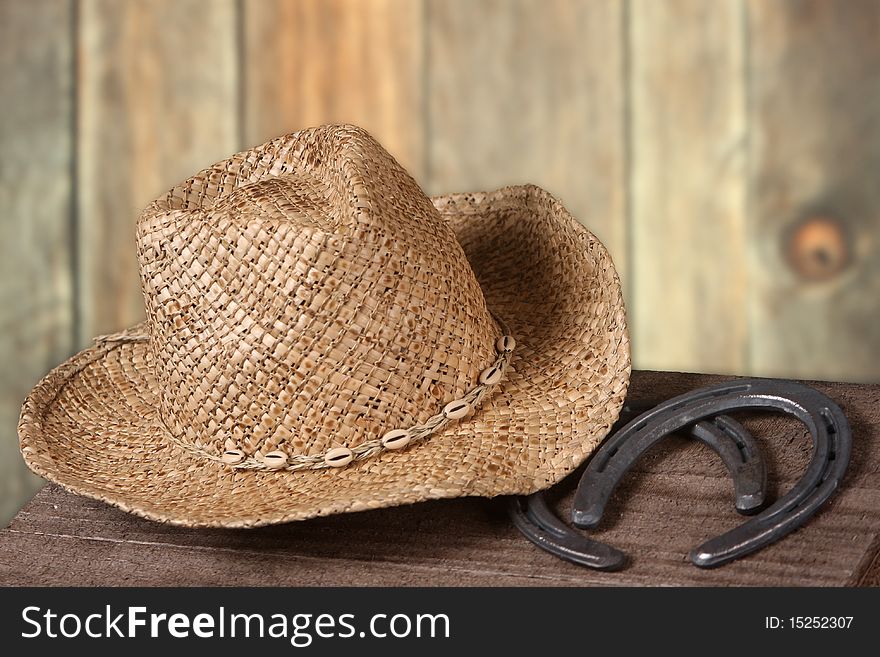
(808, 622)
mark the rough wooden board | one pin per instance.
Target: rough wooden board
(36, 283)
(815, 114)
(688, 144)
(158, 98)
(677, 496)
(531, 92)
(311, 62)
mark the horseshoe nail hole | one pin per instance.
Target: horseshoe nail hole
(710, 394)
(830, 425)
(730, 390)
(604, 464)
(728, 431)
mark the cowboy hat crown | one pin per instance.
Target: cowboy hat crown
(312, 301)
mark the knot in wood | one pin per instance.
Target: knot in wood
(817, 248)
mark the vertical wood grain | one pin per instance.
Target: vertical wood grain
(310, 62)
(158, 100)
(815, 103)
(36, 285)
(689, 140)
(531, 92)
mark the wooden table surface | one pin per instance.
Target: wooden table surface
(678, 495)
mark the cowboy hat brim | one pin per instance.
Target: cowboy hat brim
(91, 425)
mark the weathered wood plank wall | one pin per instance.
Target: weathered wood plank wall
(688, 185)
(726, 152)
(815, 185)
(36, 219)
(157, 98)
(336, 61)
(528, 91)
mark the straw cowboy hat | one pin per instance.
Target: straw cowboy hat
(321, 337)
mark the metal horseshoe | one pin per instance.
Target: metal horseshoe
(728, 438)
(832, 446)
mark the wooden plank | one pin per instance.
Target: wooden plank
(312, 62)
(674, 499)
(815, 106)
(531, 92)
(36, 284)
(158, 101)
(688, 144)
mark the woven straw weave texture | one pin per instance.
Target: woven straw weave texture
(306, 295)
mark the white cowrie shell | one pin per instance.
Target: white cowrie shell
(232, 456)
(396, 439)
(505, 343)
(455, 410)
(490, 376)
(338, 457)
(275, 460)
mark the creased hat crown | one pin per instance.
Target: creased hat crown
(306, 295)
